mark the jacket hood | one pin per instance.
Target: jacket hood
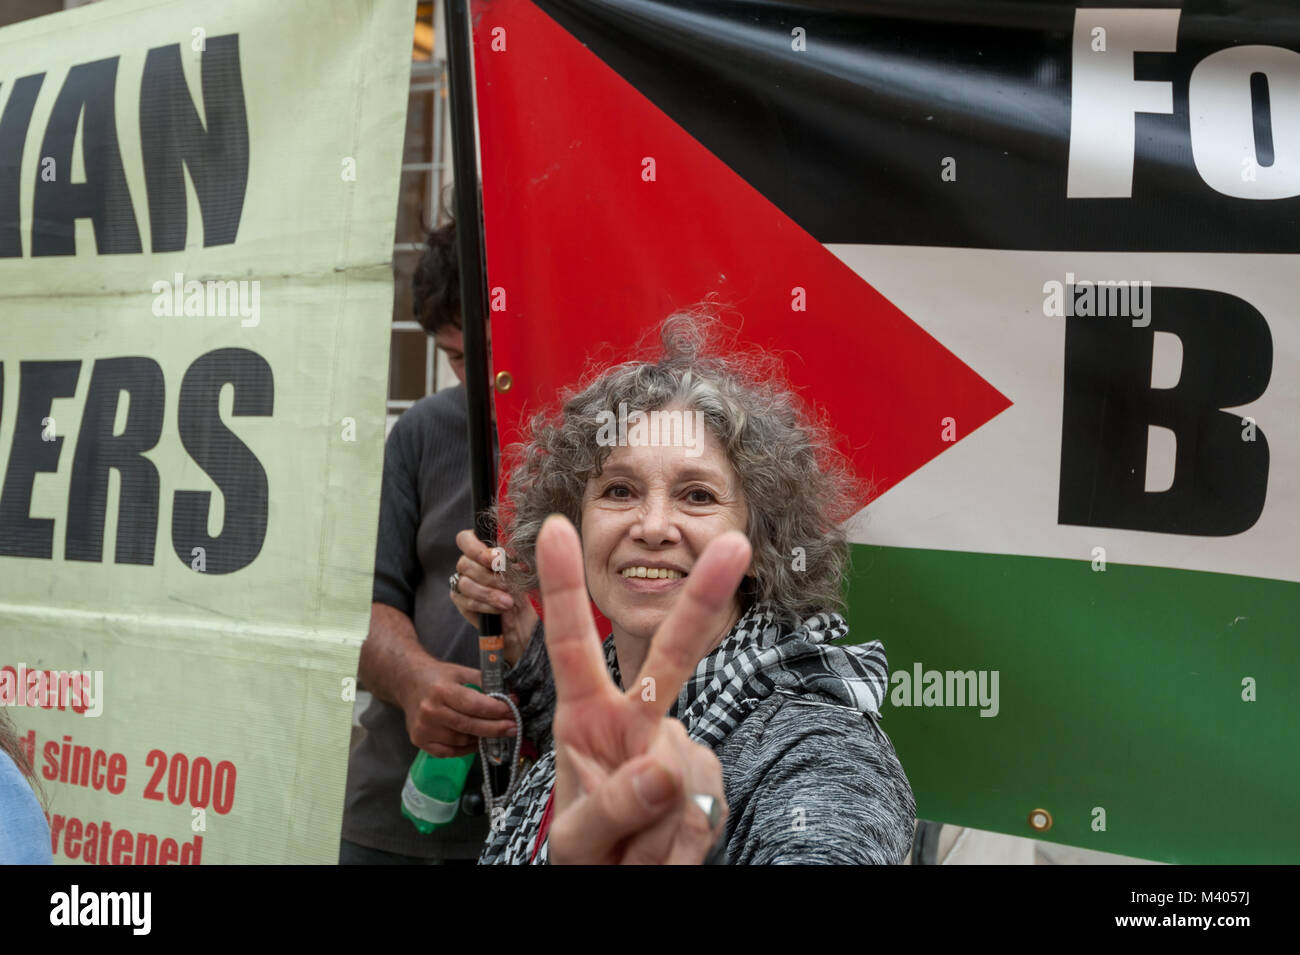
(765, 654)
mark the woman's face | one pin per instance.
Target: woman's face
(655, 507)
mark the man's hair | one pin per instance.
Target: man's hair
(798, 487)
(435, 286)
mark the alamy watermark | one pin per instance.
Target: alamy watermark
(211, 298)
(1104, 298)
(921, 687)
(75, 907)
(655, 429)
(81, 691)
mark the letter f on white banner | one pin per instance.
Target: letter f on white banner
(1105, 99)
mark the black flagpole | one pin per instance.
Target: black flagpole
(474, 317)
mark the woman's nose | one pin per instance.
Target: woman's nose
(657, 524)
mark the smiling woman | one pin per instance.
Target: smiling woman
(719, 565)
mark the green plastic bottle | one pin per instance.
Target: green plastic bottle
(431, 794)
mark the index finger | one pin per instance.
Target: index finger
(475, 549)
(695, 622)
(577, 662)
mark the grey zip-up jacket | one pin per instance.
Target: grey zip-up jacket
(809, 775)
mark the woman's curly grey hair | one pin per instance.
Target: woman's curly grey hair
(798, 488)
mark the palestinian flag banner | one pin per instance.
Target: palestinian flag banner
(1038, 263)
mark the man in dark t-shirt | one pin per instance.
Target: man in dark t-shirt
(420, 652)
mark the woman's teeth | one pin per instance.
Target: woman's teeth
(654, 573)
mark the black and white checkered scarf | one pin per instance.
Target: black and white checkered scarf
(759, 657)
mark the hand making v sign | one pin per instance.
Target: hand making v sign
(625, 771)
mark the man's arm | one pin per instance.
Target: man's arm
(442, 715)
(393, 663)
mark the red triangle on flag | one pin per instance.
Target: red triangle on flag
(588, 249)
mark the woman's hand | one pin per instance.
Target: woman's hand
(481, 591)
(624, 771)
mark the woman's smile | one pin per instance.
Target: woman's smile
(662, 582)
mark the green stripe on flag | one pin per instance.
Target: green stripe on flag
(1120, 690)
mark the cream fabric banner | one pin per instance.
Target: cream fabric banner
(196, 222)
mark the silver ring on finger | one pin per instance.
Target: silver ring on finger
(454, 580)
(711, 807)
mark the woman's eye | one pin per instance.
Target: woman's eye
(609, 491)
(708, 497)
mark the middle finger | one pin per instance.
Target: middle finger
(472, 589)
(480, 575)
